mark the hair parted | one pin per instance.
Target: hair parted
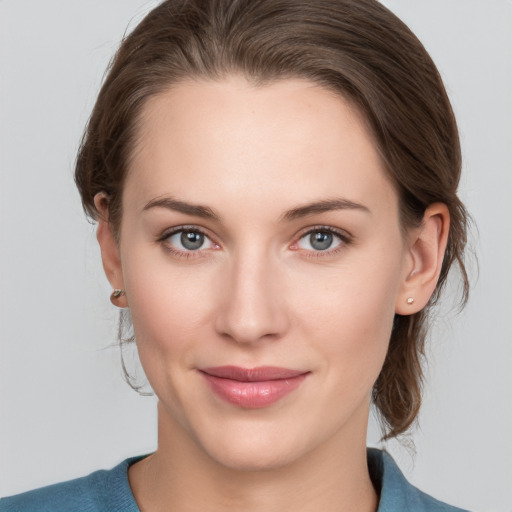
(357, 48)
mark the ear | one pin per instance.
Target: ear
(424, 260)
(110, 255)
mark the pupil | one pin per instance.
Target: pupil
(320, 240)
(192, 240)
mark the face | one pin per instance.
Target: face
(262, 259)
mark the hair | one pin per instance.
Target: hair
(360, 50)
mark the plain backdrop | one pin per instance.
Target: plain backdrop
(65, 409)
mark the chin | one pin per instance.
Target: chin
(253, 460)
(257, 447)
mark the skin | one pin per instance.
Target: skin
(258, 293)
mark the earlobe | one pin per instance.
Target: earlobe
(425, 259)
(110, 255)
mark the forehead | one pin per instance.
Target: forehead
(280, 144)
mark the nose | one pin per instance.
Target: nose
(252, 305)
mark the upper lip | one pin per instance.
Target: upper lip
(260, 373)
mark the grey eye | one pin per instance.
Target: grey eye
(191, 240)
(321, 240)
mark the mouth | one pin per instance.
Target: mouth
(252, 388)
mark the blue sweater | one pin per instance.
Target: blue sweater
(109, 491)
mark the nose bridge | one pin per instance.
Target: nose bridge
(253, 307)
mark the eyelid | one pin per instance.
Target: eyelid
(186, 254)
(185, 227)
(345, 237)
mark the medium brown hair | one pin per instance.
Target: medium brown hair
(357, 48)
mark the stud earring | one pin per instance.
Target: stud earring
(115, 295)
(410, 300)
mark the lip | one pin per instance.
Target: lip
(252, 388)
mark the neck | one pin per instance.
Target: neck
(181, 477)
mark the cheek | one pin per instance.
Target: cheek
(171, 310)
(170, 307)
(350, 313)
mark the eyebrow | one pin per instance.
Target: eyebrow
(323, 206)
(181, 206)
(206, 212)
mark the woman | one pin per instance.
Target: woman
(275, 190)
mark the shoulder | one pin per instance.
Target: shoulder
(99, 491)
(396, 493)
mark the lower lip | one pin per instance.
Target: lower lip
(253, 395)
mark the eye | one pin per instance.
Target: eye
(188, 240)
(321, 239)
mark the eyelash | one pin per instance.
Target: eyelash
(343, 236)
(184, 254)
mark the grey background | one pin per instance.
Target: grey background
(65, 409)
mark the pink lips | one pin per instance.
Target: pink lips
(252, 388)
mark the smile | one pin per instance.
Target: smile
(252, 388)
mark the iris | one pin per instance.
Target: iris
(321, 240)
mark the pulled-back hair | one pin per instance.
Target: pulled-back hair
(358, 49)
